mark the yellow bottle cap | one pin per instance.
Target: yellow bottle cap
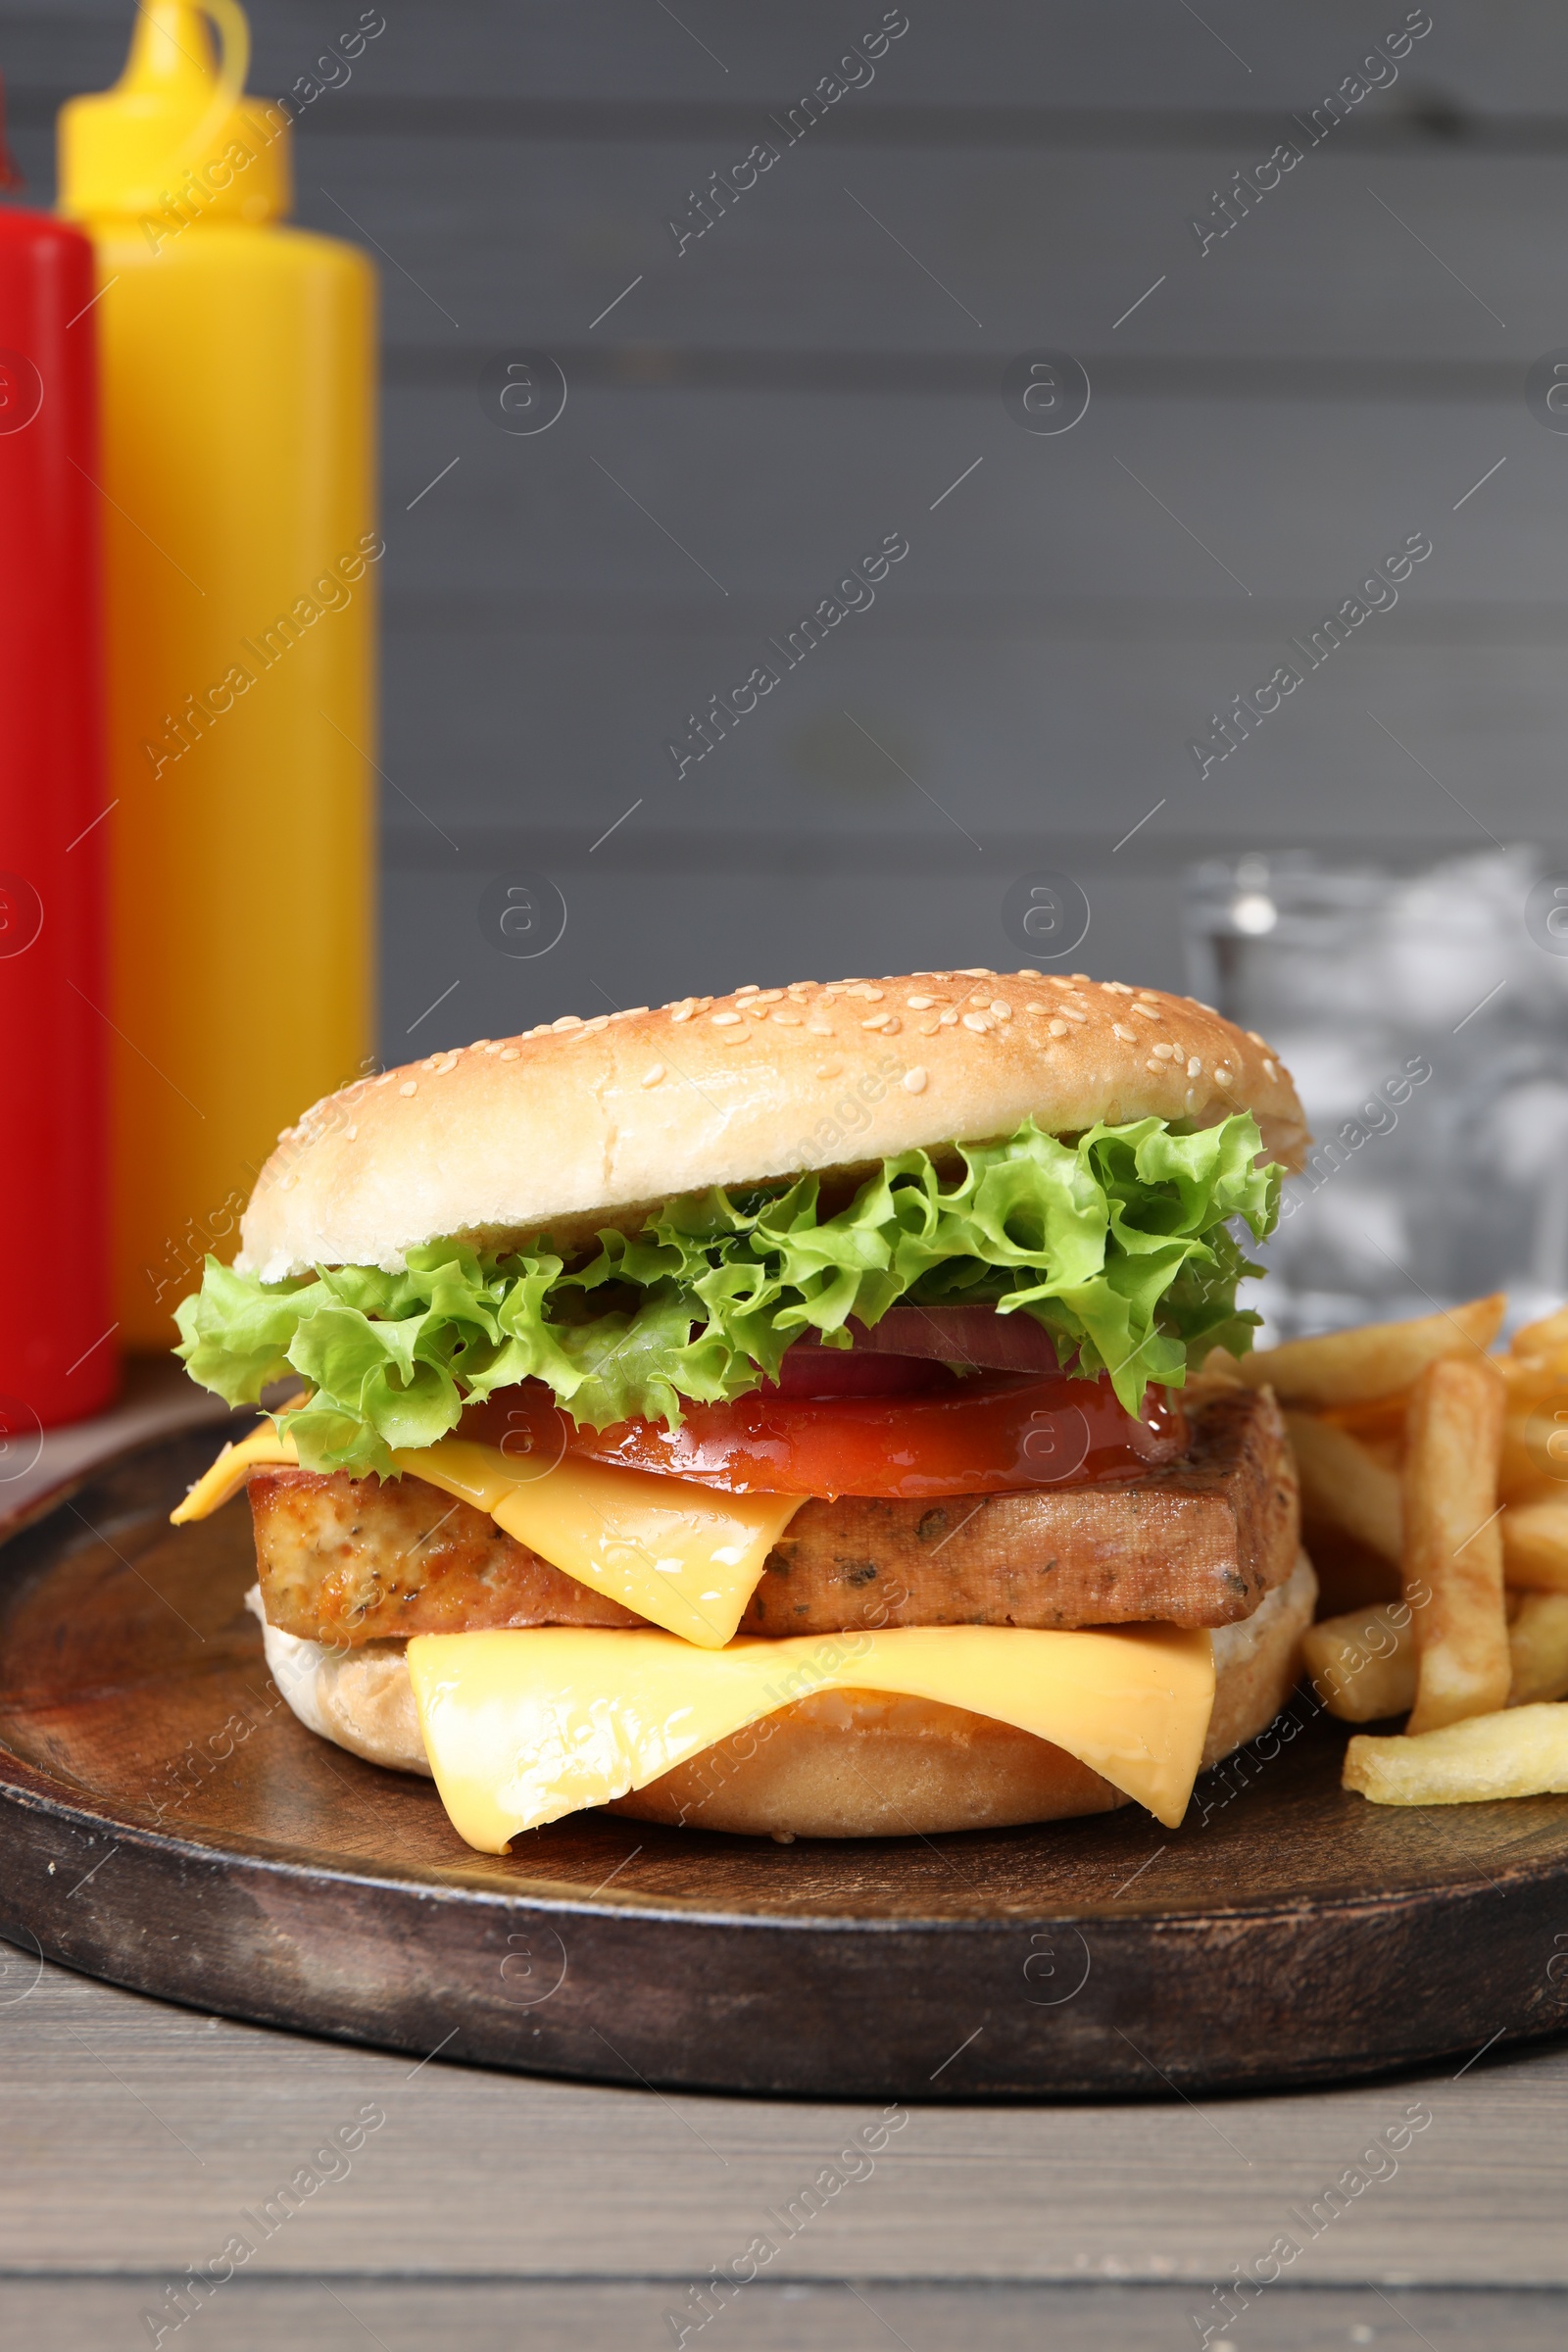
(175, 141)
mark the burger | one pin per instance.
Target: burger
(778, 1413)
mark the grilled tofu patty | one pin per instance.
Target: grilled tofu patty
(1198, 1543)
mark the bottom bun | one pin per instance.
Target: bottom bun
(362, 1699)
(858, 1764)
(843, 1763)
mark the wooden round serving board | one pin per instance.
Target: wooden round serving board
(165, 1823)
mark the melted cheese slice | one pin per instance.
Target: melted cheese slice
(684, 1556)
(522, 1727)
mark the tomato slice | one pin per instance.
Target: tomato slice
(995, 1434)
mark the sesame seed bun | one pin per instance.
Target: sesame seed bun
(583, 1122)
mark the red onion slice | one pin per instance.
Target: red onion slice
(976, 1336)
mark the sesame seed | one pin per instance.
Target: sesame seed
(1116, 988)
(1002, 1009)
(878, 1020)
(914, 1081)
(653, 1076)
(726, 1020)
(1269, 1070)
(684, 1010)
(410, 1086)
(920, 1003)
(830, 1070)
(1128, 1036)
(492, 1046)
(1075, 1014)
(385, 1078)
(351, 1133)
(750, 988)
(1256, 1040)
(978, 971)
(444, 1069)
(818, 1027)
(947, 1020)
(1058, 1028)
(1027, 971)
(510, 1053)
(980, 1021)
(1162, 1051)
(1056, 980)
(1195, 1069)
(1151, 1013)
(1223, 1076)
(1158, 1067)
(769, 996)
(787, 1020)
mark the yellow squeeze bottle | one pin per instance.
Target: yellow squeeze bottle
(237, 471)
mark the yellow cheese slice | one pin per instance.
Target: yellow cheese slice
(228, 1475)
(684, 1556)
(522, 1727)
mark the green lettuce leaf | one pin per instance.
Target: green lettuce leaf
(1120, 1242)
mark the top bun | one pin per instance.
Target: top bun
(579, 1123)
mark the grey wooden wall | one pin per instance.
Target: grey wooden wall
(751, 412)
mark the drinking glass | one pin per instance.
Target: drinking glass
(1424, 1016)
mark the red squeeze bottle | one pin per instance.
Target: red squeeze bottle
(58, 1359)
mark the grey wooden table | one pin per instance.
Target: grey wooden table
(138, 2141)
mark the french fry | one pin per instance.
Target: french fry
(1521, 1753)
(1344, 1367)
(1538, 1645)
(1535, 1380)
(1543, 1338)
(1534, 1463)
(1347, 1486)
(1377, 1424)
(1535, 1545)
(1363, 1665)
(1453, 1562)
